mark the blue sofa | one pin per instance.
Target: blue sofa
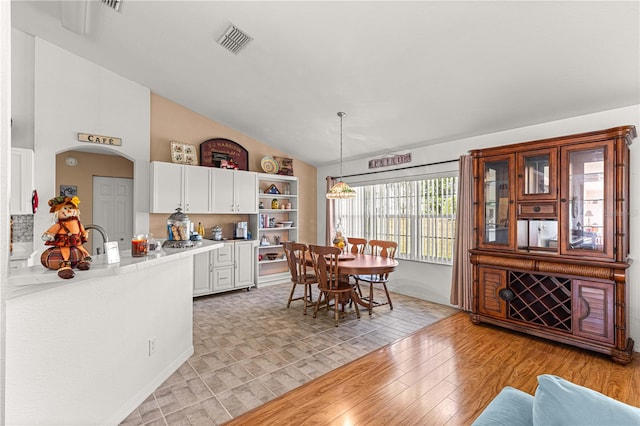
(557, 402)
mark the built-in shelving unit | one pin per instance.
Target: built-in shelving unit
(272, 226)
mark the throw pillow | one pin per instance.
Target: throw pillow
(560, 402)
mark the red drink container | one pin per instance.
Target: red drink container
(138, 246)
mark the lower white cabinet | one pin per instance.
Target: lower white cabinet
(227, 268)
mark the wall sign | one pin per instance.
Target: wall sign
(223, 153)
(390, 161)
(104, 140)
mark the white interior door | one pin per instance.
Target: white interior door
(113, 210)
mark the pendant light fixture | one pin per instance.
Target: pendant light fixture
(341, 190)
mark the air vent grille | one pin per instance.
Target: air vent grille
(113, 4)
(234, 39)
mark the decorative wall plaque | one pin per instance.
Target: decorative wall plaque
(184, 153)
(285, 166)
(104, 140)
(390, 161)
(223, 153)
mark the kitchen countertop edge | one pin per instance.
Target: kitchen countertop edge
(36, 279)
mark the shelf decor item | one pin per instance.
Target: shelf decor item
(184, 153)
(273, 190)
(285, 166)
(269, 165)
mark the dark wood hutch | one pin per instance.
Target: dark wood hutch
(552, 239)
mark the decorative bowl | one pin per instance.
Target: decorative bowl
(271, 256)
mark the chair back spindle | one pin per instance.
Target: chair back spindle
(358, 245)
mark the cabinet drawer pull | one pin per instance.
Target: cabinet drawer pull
(536, 209)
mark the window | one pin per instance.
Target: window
(420, 215)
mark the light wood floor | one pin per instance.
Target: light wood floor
(444, 374)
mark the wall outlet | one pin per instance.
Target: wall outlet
(152, 345)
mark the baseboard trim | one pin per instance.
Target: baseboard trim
(135, 401)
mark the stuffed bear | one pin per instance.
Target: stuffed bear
(66, 236)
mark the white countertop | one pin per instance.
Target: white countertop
(37, 278)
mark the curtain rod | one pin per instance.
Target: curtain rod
(401, 168)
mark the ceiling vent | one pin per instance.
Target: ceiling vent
(234, 39)
(113, 4)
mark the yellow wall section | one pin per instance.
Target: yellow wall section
(173, 122)
(89, 165)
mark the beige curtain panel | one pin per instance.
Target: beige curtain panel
(462, 276)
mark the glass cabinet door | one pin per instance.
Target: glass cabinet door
(586, 201)
(497, 202)
(537, 174)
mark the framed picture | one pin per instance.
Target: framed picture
(285, 166)
(184, 153)
(68, 190)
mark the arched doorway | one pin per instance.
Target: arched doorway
(110, 205)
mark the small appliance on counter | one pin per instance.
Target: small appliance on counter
(240, 231)
(178, 231)
(216, 233)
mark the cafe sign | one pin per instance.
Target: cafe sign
(104, 140)
(390, 161)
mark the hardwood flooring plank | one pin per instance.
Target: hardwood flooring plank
(446, 373)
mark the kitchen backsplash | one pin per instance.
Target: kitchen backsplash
(22, 228)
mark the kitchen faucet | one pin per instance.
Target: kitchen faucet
(101, 231)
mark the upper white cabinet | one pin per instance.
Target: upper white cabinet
(22, 181)
(178, 185)
(234, 191)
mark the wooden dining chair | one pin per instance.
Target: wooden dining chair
(332, 286)
(378, 248)
(358, 245)
(300, 275)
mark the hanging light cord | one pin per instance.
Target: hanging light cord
(341, 115)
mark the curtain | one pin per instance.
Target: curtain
(462, 277)
(330, 213)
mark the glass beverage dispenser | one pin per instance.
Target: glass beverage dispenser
(178, 230)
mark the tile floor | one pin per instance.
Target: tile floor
(249, 349)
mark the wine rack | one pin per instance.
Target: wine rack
(541, 299)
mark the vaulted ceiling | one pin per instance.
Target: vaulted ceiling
(407, 73)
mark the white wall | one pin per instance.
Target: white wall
(73, 95)
(5, 175)
(78, 354)
(432, 282)
(23, 69)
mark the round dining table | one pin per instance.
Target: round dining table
(365, 264)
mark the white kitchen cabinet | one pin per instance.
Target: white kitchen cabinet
(234, 191)
(179, 185)
(22, 181)
(228, 268)
(245, 264)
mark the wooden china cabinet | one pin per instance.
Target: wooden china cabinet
(552, 239)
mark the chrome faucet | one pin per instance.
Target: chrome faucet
(101, 231)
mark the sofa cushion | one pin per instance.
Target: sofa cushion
(559, 402)
(511, 407)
